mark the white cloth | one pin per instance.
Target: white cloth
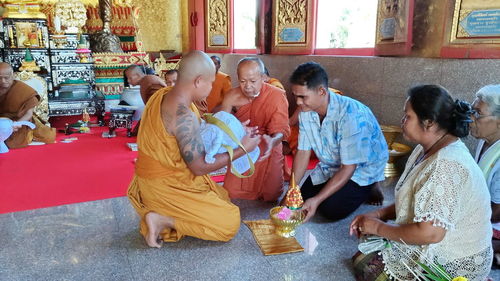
(493, 180)
(214, 137)
(133, 97)
(449, 189)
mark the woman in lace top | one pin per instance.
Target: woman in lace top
(442, 204)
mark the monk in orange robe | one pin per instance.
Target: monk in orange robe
(221, 85)
(267, 108)
(149, 83)
(171, 190)
(272, 81)
(18, 102)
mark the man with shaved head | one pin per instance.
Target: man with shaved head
(171, 190)
(266, 107)
(221, 85)
(17, 102)
(134, 74)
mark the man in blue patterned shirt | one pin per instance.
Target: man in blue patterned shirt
(347, 139)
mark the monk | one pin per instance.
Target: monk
(272, 81)
(170, 189)
(267, 108)
(18, 102)
(221, 85)
(171, 77)
(149, 83)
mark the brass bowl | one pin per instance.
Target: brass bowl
(396, 150)
(391, 132)
(286, 228)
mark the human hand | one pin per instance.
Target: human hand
(364, 224)
(252, 131)
(268, 141)
(310, 206)
(250, 141)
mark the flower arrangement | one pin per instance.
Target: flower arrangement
(430, 270)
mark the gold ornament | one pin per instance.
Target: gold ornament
(72, 13)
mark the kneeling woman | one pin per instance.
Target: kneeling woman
(442, 205)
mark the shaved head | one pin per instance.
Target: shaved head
(6, 77)
(6, 67)
(194, 65)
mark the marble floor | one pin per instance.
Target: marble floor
(100, 241)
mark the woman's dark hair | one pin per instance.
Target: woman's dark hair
(434, 103)
(310, 74)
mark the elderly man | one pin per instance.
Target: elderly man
(17, 102)
(171, 190)
(347, 139)
(266, 107)
(221, 85)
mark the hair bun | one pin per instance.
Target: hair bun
(462, 111)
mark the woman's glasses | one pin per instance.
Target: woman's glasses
(476, 115)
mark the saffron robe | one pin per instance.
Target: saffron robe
(19, 99)
(149, 85)
(276, 83)
(220, 86)
(269, 111)
(163, 183)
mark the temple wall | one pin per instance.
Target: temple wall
(160, 24)
(382, 82)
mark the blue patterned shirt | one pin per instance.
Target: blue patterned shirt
(349, 134)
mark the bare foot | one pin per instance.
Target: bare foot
(156, 223)
(376, 197)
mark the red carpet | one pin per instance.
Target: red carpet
(90, 168)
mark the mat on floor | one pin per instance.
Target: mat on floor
(269, 242)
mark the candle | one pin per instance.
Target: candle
(57, 23)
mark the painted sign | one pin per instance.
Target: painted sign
(482, 23)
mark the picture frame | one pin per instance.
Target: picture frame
(27, 35)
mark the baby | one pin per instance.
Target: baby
(214, 138)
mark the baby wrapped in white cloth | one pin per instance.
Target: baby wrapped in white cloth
(215, 140)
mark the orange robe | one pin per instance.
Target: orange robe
(276, 83)
(269, 111)
(19, 99)
(149, 85)
(220, 86)
(163, 183)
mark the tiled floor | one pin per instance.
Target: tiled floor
(100, 241)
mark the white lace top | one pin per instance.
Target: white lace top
(449, 189)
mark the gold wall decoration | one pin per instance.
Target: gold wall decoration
(291, 22)
(217, 23)
(159, 24)
(476, 21)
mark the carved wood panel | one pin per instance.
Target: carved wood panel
(218, 25)
(294, 25)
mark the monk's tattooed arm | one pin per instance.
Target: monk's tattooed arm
(187, 134)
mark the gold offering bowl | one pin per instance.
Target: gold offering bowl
(286, 228)
(396, 150)
(391, 132)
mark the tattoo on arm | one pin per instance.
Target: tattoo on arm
(188, 135)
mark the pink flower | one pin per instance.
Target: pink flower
(285, 214)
